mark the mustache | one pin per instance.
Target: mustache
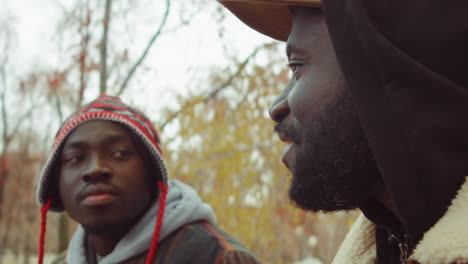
(97, 188)
(287, 131)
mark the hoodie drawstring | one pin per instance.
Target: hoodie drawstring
(44, 210)
(158, 226)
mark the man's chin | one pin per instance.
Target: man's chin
(319, 196)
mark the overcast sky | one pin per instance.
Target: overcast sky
(172, 65)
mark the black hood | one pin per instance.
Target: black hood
(406, 65)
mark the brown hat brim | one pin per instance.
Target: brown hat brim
(270, 17)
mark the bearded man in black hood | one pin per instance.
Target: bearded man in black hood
(375, 118)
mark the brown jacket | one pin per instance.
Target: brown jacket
(196, 243)
(199, 243)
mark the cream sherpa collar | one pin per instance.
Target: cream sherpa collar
(446, 242)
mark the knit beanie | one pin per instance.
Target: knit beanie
(106, 108)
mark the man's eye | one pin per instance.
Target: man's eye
(120, 154)
(294, 66)
(73, 159)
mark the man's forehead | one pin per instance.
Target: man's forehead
(308, 26)
(297, 45)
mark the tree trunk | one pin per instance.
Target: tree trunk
(27, 249)
(62, 233)
(105, 34)
(16, 250)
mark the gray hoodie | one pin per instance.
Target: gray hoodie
(183, 206)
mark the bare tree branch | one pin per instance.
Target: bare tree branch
(223, 86)
(4, 112)
(148, 47)
(5, 144)
(21, 120)
(58, 107)
(6, 34)
(185, 21)
(105, 35)
(85, 37)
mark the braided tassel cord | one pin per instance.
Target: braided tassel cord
(158, 226)
(44, 210)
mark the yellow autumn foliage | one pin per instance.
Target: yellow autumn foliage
(226, 149)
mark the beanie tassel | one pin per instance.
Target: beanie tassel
(158, 226)
(44, 210)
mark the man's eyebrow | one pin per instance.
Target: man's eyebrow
(110, 139)
(113, 139)
(288, 50)
(74, 145)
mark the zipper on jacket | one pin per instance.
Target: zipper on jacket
(402, 246)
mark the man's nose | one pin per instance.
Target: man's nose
(97, 169)
(279, 109)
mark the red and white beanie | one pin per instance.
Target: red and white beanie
(103, 108)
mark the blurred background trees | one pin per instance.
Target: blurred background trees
(215, 129)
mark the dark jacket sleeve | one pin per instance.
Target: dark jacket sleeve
(203, 243)
(238, 257)
(411, 261)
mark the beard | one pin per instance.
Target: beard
(333, 169)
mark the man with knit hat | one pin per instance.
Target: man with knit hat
(106, 171)
(375, 118)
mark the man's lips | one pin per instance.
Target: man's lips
(98, 199)
(97, 195)
(285, 138)
(287, 151)
(286, 155)
(287, 135)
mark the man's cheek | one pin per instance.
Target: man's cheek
(303, 108)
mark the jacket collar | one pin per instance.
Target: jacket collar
(444, 243)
